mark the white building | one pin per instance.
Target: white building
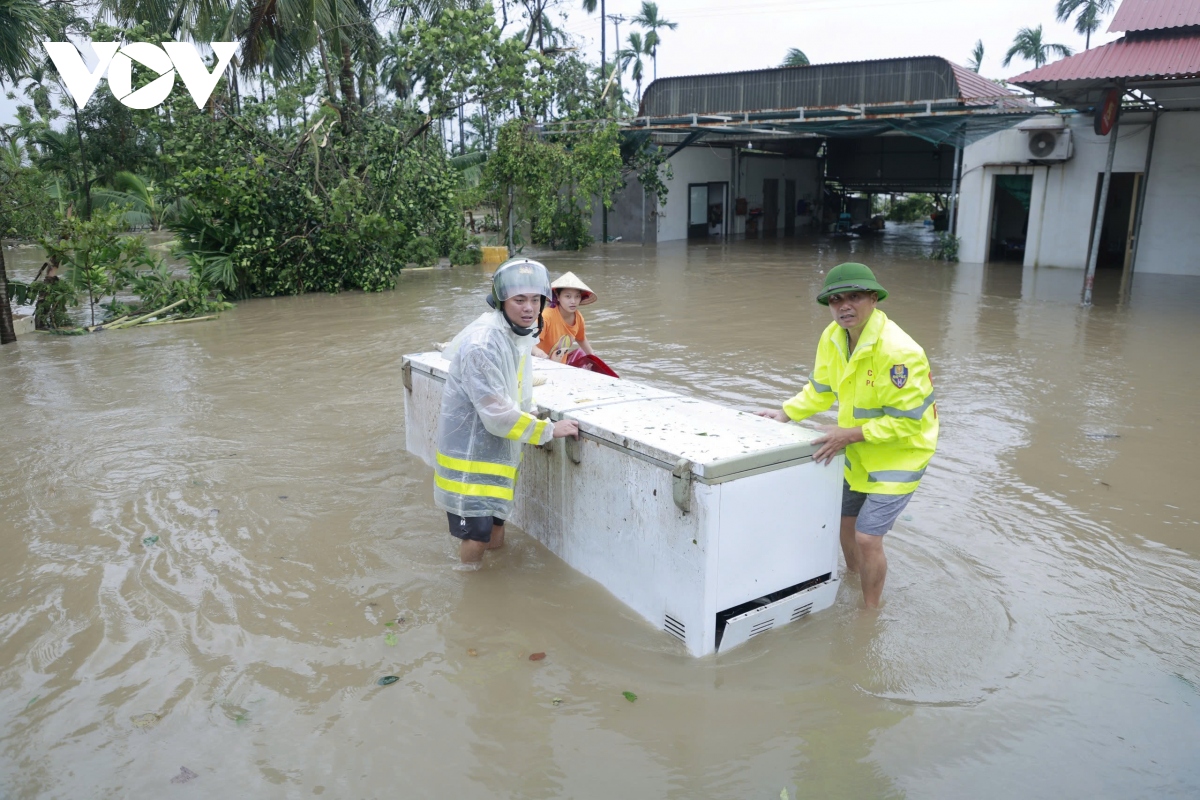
(777, 151)
(1031, 194)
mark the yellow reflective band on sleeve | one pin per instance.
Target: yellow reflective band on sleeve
(479, 467)
(537, 431)
(473, 489)
(520, 427)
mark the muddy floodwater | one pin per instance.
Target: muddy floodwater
(214, 544)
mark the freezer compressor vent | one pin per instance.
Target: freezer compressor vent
(762, 627)
(675, 628)
(802, 611)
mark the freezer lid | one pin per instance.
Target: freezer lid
(432, 363)
(718, 442)
(570, 389)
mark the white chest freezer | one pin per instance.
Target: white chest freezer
(713, 524)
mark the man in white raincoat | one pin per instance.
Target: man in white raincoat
(485, 410)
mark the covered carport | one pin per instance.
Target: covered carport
(770, 152)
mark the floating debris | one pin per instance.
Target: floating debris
(184, 776)
(537, 656)
(472, 652)
(149, 540)
(390, 640)
(387, 680)
(558, 701)
(146, 721)
(630, 696)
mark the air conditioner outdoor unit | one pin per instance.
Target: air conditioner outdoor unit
(1048, 145)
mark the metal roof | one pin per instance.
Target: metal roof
(1153, 15)
(897, 81)
(1148, 60)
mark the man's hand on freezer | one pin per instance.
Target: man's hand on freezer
(566, 427)
(834, 441)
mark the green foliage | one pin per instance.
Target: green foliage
(94, 259)
(795, 58)
(25, 207)
(554, 181)
(911, 207)
(946, 247)
(159, 287)
(341, 210)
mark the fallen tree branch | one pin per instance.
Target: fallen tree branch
(145, 317)
(177, 321)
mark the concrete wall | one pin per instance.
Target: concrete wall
(756, 168)
(1063, 194)
(703, 164)
(699, 164)
(625, 216)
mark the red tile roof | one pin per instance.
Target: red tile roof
(1158, 57)
(1153, 15)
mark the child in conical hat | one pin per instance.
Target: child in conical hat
(563, 328)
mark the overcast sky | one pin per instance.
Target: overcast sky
(728, 35)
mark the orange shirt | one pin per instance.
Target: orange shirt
(558, 338)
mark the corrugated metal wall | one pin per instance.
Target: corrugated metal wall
(899, 80)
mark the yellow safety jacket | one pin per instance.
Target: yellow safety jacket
(885, 387)
(485, 419)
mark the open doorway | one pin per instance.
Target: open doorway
(1116, 237)
(706, 209)
(1010, 217)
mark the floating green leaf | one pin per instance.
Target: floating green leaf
(390, 640)
(630, 696)
(149, 540)
(387, 680)
(389, 624)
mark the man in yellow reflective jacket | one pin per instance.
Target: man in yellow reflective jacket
(887, 416)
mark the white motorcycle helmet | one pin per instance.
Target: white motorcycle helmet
(520, 276)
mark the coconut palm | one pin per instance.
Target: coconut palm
(21, 24)
(1087, 15)
(632, 55)
(795, 58)
(976, 56)
(1029, 45)
(653, 23)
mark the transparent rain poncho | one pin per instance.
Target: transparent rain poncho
(485, 419)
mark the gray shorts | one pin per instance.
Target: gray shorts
(876, 513)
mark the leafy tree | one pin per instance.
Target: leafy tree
(1087, 15)
(1030, 45)
(976, 62)
(554, 181)
(795, 58)
(21, 22)
(653, 23)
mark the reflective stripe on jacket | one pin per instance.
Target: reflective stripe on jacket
(885, 387)
(485, 419)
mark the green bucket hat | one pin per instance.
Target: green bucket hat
(850, 277)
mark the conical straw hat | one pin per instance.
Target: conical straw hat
(570, 281)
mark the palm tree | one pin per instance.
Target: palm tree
(1029, 45)
(21, 24)
(1088, 13)
(976, 56)
(795, 58)
(589, 7)
(653, 23)
(633, 55)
